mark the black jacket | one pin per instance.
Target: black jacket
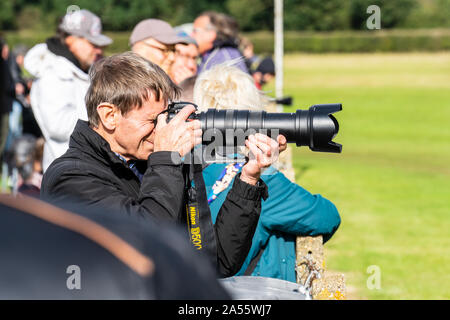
(91, 173)
(7, 88)
(49, 253)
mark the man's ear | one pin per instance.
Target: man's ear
(107, 113)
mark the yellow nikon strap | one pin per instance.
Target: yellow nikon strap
(199, 222)
(193, 221)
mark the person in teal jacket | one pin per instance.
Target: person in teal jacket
(289, 211)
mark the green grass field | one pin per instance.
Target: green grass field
(391, 183)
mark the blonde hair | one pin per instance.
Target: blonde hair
(225, 86)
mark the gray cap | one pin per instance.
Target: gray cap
(186, 27)
(84, 23)
(183, 34)
(156, 29)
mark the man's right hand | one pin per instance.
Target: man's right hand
(177, 135)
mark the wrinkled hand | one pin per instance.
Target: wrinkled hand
(264, 152)
(177, 135)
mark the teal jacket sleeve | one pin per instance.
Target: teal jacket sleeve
(292, 209)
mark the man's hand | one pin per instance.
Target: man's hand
(264, 152)
(177, 135)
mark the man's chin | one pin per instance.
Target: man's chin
(145, 154)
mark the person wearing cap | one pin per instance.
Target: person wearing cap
(264, 73)
(155, 41)
(186, 56)
(60, 66)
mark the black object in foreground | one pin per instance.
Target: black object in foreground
(48, 252)
(285, 101)
(315, 127)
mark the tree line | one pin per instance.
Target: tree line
(252, 15)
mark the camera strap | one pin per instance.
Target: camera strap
(199, 222)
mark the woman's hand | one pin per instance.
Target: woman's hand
(264, 152)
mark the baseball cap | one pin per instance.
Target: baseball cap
(187, 39)
(266, 66)
(156, 29)
(84, 23)
(185, 27)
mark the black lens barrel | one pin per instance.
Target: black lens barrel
(315, 127)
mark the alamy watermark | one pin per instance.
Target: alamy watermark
(72, 19)
(374, 280)
(373, 22)
(228, 146)
(73, 282)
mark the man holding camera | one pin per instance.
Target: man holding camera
(128, 157)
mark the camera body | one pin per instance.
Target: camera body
(315, 127)
(175, 107)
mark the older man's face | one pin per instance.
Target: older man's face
(134, 131)
(186, 55)
(156, 52)
(185, 64)
(85, 52)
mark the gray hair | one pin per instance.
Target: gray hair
(126, 80)
(226, 27)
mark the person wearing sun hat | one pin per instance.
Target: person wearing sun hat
(155, 41)
(60, 67)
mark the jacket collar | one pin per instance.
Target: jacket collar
(85, 140)
(40, 61)
(55, 46)
(222, 43)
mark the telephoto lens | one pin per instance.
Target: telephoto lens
(315, 127)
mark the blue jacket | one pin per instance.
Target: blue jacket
(289, 211)
(220, 53)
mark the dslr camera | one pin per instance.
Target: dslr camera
(315, 127)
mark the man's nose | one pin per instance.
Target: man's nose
(171, 56)
(192, 64)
